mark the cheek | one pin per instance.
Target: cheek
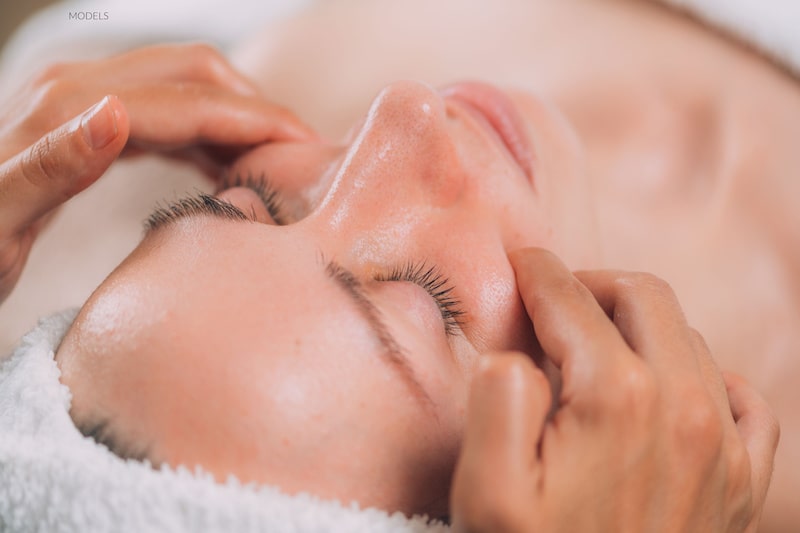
(415, 321)
(564, 187)
(498, 313)
(476, 263)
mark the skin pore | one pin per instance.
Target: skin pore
(664, 147)
(332, 353)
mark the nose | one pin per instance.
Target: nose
(402, 155)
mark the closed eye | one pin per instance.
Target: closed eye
(202, 204)
(199, 204)
(263, 187)
(435, 284)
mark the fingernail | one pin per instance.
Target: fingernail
(99, 125)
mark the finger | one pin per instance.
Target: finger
(13, 255)
(758, 428)
(650, 319)
(182, 62)
(643, 306)
(712, 377)
(59, 165)
(177, 115)
(571, 327)
(498, 468)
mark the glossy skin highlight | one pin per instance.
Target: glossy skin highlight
(234, 350)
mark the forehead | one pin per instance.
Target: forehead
(233, 284)
(220, 311)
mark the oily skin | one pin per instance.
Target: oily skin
(204, 345)
(263, 368)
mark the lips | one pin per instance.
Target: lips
(501, 114)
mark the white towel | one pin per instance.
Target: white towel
(55, 480)
(52, 479)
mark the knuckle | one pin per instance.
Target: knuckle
(698, 428)
(41, 166)
(635, 393)
(645, 282)
(206, 60)
(698, 340)
(510, 374)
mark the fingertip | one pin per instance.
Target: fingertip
(508, 404)
(61, 163)
(530, 252)
(504, 365)
(519, 255)
(502, 377)
(103, 123)
(539, 262)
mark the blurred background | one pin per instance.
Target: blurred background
(13, 12)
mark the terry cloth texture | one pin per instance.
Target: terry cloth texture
(52, 479)
(55, 480)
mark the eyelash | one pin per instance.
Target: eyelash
(197, 204)
(429, 278)
(200, 203)
(263, 187)
(432, 280)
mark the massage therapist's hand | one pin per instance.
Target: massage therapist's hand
(62, 132)
(648, 436)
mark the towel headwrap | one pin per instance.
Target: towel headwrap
(55, 480)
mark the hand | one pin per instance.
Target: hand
(64, 130)
(646, 436)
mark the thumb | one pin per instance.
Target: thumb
(60, 164)
(498, 467)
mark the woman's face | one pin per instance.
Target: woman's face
(324, 344)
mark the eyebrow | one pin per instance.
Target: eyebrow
(392, 352)
(206, 205)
